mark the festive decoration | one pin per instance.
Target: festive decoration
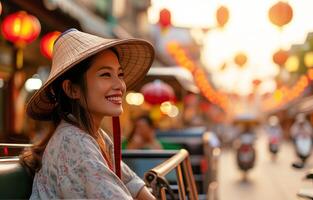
(222, 16)
(308, 59)
(240, 59)
(20, 28)
(280, 57)
(256, 82)
(46, 43)
(292, 63)
(182, 58)
(280, 14)
(157, 92)
(165, 18)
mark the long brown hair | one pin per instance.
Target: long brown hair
(65, 108)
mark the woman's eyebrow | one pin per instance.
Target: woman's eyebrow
(109, 68)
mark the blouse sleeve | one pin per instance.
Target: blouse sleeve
(84, 173)
(131, 180)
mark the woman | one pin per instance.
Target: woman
(88, 78)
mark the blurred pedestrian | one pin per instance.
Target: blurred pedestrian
(273, 129)
(88, 78)
(301, 132)
(143, 135)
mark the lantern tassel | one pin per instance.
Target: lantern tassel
(19, 58)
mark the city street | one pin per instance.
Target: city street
(268, 180)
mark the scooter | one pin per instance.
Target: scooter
(245, 157)
(303, 145)
(273, 146)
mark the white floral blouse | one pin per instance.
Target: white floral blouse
(74, 168)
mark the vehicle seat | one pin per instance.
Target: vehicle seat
(15, 181)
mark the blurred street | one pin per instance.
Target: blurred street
(267, 180)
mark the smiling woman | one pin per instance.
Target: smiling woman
(88, 78)
(248, 29)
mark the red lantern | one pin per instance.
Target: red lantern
(222, 16)
(256, 82)
(46, 43)
(280, 57)
(280, 14)
(157, 92)
(165, 18)
(20, 28)
(240, 59)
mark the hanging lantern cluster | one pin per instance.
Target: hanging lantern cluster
(222, 16)
(20, 28)
(240, 59)
(280, 14)
(47, 42)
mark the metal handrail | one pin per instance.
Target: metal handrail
(171, 163)
(181, 163)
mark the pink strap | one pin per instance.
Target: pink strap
(117, 145)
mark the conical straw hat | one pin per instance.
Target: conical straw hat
(73, 46)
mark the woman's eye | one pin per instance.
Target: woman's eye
(105, 74)
(121, 75)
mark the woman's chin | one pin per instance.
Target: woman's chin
(117, 113)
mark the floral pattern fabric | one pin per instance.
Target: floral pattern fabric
(74, 168)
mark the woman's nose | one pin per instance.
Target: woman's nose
(119, 84)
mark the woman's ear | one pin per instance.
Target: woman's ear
(70, 89)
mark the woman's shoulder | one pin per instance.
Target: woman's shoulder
(70, 135)
(70, 142)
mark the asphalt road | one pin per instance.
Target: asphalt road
(268, 180)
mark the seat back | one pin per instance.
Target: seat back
(190, 139)
(15, 181)
(156, 177)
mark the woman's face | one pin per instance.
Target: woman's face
(143, 128)
(105, 86)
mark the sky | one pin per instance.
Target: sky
(248, 30)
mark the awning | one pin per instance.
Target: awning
(183, 76)
(304, 105)
(89, 21)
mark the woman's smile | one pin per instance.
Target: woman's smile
(115, 99)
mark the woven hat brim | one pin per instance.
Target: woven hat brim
(135, 57)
